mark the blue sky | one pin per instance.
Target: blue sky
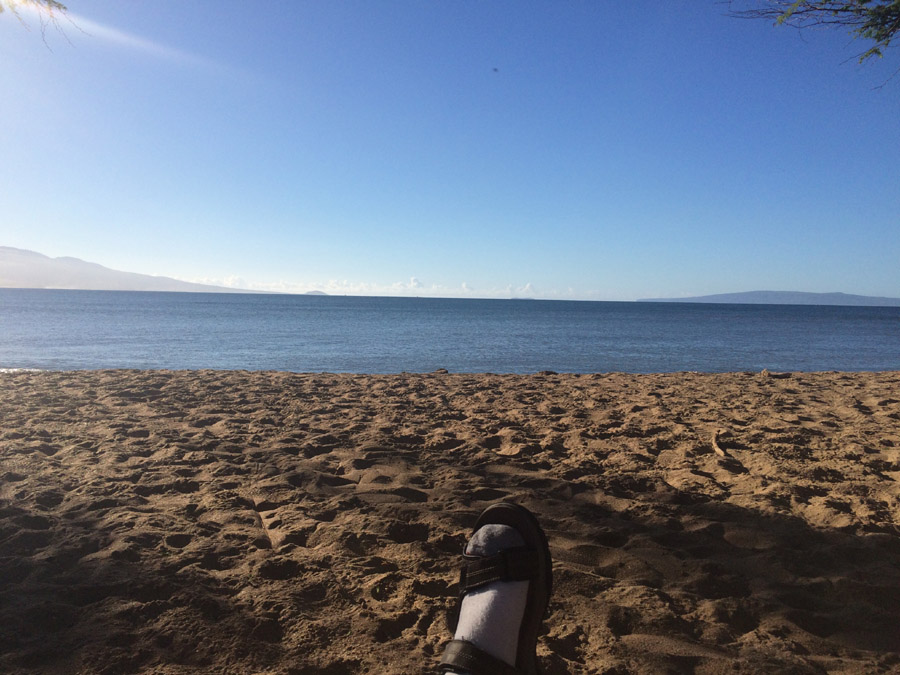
(565, 149)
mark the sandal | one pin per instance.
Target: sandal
(531, 563)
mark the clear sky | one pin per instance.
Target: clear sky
(553, 149)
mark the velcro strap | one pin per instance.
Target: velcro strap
(462, 656)
(512, 564)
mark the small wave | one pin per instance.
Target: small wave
(21, 370)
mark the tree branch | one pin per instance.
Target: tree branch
(876, 20)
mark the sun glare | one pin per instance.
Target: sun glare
(47, 9)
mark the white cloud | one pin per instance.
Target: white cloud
(414, 287)
(234, 282)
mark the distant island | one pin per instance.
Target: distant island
(315, 293)
(787, 298)
(27, 269)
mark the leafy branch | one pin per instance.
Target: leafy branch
(875, 20)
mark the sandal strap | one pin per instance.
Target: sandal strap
(463, 656)
(513, 564)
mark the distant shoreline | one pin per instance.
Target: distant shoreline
(773, 298)
(786, 298)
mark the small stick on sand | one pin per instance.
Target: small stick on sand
(715, 443)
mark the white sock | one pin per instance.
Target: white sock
(490, 617)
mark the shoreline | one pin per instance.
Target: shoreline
(443, 371)
(298, 523)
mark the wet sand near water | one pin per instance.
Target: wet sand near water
(238, 522)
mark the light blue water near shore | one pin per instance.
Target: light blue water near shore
(101, 329)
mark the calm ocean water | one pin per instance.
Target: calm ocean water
(102, 329)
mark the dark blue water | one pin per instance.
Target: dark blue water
(102, 329)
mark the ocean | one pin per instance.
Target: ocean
(72, 330)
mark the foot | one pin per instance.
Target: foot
(490, 616)
(505, 588)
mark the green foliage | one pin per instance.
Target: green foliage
(875, 20)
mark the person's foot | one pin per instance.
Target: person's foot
(505, 588)
(490, 616)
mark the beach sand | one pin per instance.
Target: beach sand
(235, 522)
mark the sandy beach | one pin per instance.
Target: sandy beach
(238, 522)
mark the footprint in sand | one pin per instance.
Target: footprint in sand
(279, 569)
(405, 533)
(392, 628)
(178, 540)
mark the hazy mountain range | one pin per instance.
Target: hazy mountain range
(788, 298)
(26, 269)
